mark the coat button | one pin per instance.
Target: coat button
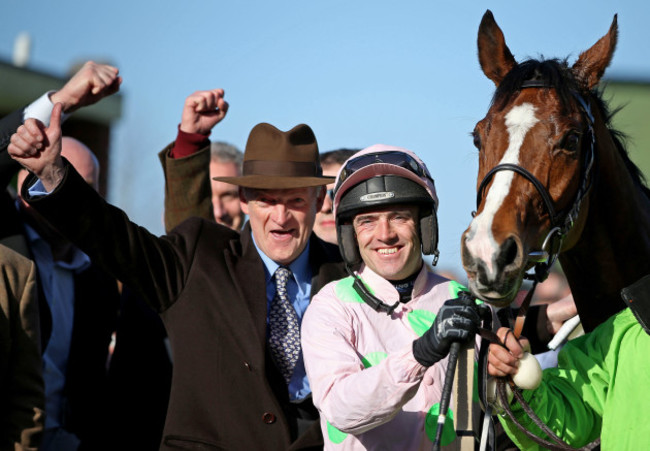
(248, 366)
(268, 418)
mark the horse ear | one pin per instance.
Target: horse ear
(592, 63)
(493, 53)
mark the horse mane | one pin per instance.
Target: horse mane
(557, 74)
(619, 139)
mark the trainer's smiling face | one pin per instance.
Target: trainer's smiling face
(389, 242)
(282, 220)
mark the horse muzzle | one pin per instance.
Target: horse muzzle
(494, 273)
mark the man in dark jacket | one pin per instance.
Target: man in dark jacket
(77, 303)
(238, 378)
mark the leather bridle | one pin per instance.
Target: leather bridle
(544, 259)
(560, 223)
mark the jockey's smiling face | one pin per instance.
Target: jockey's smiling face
(389, 241)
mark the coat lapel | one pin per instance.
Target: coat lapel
(247, 270)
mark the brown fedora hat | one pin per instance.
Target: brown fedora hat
(280, 160)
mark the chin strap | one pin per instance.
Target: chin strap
(373, 301)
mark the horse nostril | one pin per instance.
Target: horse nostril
(481, 274)
(508, 253)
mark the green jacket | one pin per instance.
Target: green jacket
(601, 387)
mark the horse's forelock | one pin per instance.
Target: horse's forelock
(553, 73)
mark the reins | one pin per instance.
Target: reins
(545, 258)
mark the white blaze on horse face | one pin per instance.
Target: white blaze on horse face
(480, 241)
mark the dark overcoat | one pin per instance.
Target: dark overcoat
(95, 316)
(207, 283)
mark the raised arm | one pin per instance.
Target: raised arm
(186, 162)
(87, 86)
(203, 110)
(154, 267)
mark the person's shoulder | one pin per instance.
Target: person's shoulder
(623, 320)
(325, 294)
(196, 224)
(12, 261)
(195, 229)
(436, 288)
(344, 291)
(15, 269)
(334, 300)
(441, 281)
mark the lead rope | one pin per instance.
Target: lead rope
(558, 443)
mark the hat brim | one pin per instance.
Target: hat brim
(275, 182)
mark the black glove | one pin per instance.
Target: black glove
(457, 320)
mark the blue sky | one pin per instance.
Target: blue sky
(358, 72)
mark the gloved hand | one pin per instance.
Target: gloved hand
(457, 320)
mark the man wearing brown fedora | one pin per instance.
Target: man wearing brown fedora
(232, 319)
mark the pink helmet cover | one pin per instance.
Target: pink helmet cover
(378, 169)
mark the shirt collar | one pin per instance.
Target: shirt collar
(299, 267)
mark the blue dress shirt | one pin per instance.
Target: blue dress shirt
(299, 289)
(57, 280)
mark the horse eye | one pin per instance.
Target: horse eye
(571, 141)
(477, 140)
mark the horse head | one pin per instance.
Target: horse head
(536, 147)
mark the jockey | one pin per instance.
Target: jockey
(599, 387)
(374, 361)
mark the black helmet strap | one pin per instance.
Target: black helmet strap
(373, 301)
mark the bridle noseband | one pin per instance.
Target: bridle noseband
(560, 224)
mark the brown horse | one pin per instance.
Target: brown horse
(554, 179)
